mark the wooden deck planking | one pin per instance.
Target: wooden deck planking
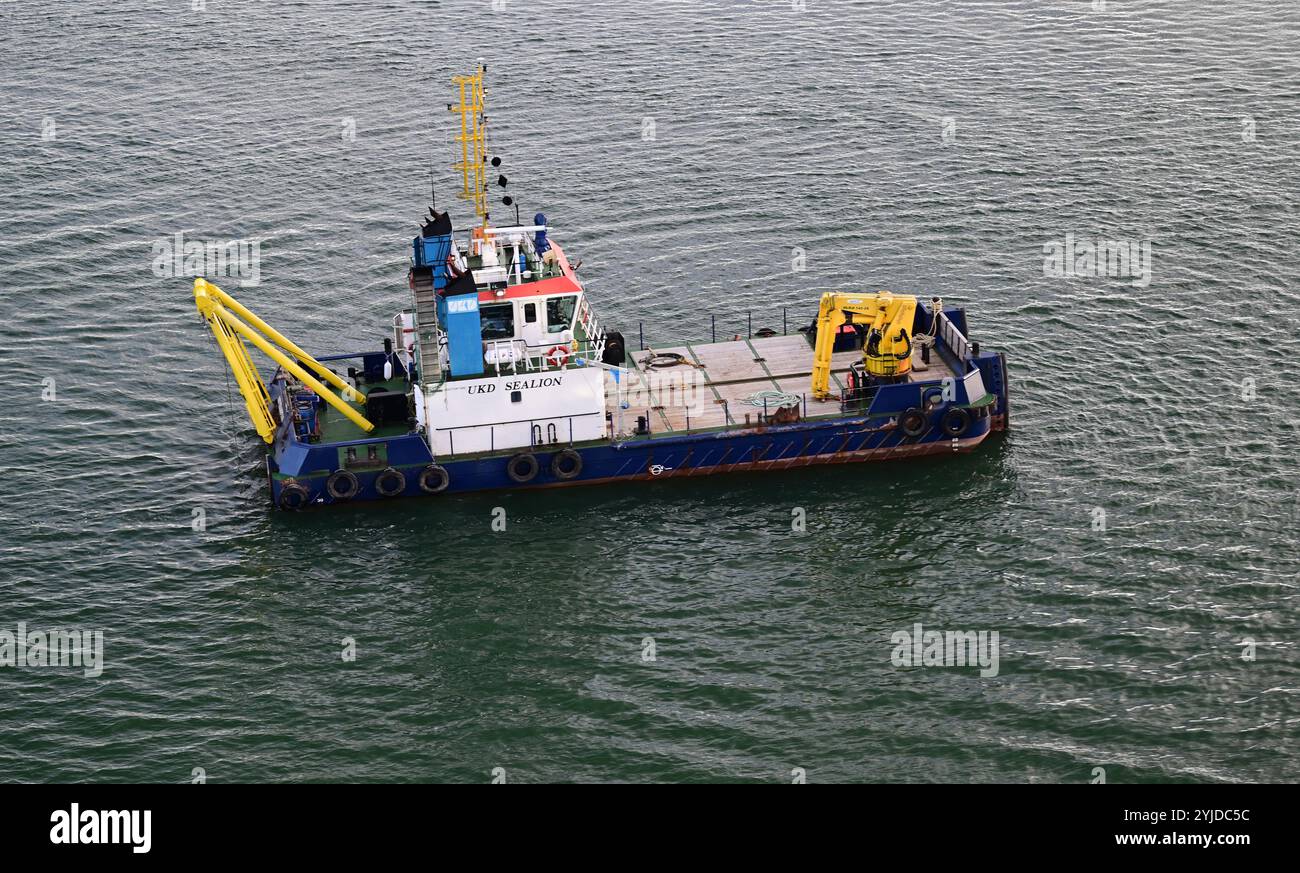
(732, 361)
(938, 369)
(707, 413)
(730, 372)
(785, 355)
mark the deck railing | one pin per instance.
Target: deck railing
(543, 432)
(953, 338)
(587, 318)
(764, 329)
(538, 361)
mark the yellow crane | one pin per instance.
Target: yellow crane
(222, 313)
(887, 349)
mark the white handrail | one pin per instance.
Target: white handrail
(538, 361)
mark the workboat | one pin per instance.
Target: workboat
(501, 376)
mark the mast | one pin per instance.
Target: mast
(472, 139)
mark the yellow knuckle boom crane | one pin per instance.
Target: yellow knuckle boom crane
(887, 347)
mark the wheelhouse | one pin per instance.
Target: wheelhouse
(523, 305)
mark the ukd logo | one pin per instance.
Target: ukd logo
(89, 826)
(469, 305)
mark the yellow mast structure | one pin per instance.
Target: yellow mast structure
(472, 139)
(222, 313)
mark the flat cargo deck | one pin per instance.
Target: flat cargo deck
(733, 371)
(718, 379)
(334, 428)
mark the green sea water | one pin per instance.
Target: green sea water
(1131, 540)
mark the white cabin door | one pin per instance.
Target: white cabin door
(534, 331)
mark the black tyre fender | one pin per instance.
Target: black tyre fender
(955, 421)
(391, 482)
(434, 479)
(615, 349)
(566, 465)
(913, 422)
(293, 496)
(522, 467)
(343, 485)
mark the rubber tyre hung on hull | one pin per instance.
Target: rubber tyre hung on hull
(293, 496)
(566, 465)
(343, 485)
(391, 482)
(912, 422)
(522, 467)
(955, 421)
(434, 479)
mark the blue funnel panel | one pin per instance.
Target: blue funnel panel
(459, 317)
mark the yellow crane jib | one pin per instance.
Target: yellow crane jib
(887, 349)
(219, 310)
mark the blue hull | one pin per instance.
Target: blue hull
(841, 440)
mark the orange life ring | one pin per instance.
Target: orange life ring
(558, 355)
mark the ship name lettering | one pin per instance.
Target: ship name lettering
(544, 382)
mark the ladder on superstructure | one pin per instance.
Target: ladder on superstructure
(426, 323)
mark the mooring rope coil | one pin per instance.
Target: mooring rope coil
(660, 360)
(663, 360)
(772, 399)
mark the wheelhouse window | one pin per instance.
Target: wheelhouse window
(498, 320)
(559, 313)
